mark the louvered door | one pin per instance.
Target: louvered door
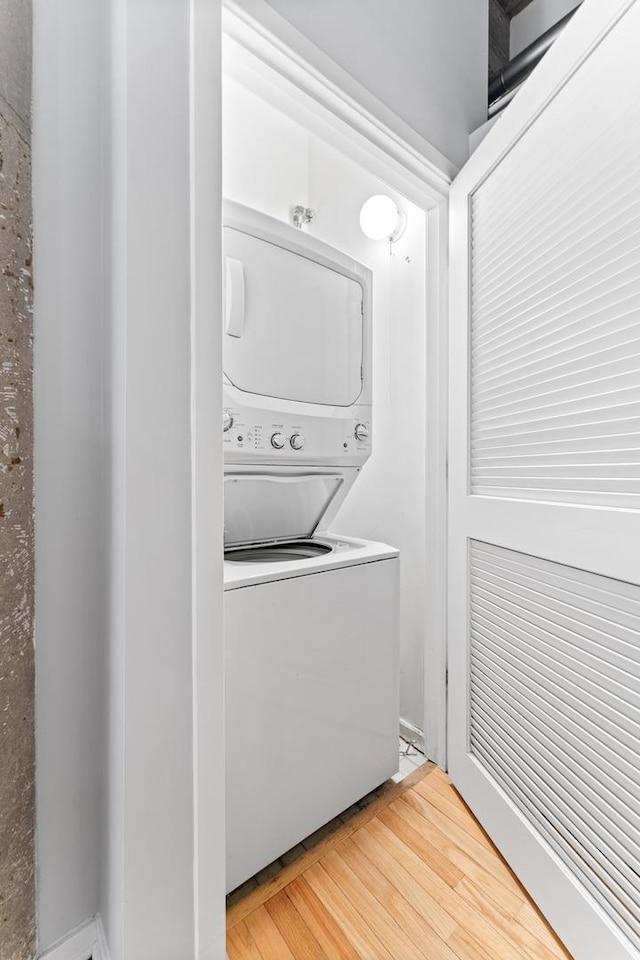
(544, 576)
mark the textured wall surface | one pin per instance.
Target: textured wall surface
(498, 36)
(17, 901)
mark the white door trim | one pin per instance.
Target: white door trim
(289, 71)
(256, 26)
(163, 811)
(207, 642)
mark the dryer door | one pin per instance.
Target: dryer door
(293, 326)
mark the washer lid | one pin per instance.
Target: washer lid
(264, 508)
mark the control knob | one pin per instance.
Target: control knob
(361, 431)
(297, 441)
(227, 421)
(277, 441)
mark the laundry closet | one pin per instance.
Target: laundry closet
(325, 451)
(542, 461)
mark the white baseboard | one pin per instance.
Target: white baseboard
(101, 952)
(412, 734)
(86, 942)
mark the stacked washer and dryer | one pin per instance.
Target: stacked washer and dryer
(311, 618)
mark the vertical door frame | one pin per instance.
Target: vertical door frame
(207, 514)
(164, 864)
(299, 79)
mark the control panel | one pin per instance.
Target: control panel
(251, 434)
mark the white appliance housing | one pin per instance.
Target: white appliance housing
(311, 622)
(297, 374)
(311, 698)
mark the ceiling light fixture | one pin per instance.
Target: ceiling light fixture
(380, 219)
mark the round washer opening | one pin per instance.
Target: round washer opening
(277, 552)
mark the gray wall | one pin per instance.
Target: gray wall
(69, 457)
(425, 59)
(17, 898)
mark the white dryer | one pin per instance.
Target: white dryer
(311, 619)
(297, 357)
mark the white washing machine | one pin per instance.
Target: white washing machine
(311, 697)
(311, 619)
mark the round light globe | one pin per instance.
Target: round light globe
(379, 217)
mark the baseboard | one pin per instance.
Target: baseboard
(412, 734)
(101, 951)
(86, 942)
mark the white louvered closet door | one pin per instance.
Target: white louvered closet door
(544, 469)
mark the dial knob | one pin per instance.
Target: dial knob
(227, 421)
(277, 441)
(297, 441)
(361, 431)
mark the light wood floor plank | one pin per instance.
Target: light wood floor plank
(405, 882)
(481, 852)
(449, 900)
(416, 840)
(241, 945)
(421, 932)
(357, 930)
(524, 942)
(414, 878)
(294, 930)
(531, 918)
(453, 806)
(441, 781)
(387, 930)
(320, 922)
(265, 932)
(508, 896)
(466, 948)
(449, 802)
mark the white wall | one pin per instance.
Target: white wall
(476, 138)
(130, 785)
(424, 59)
(70, 455)
(271, 173)
(535, 20)
(389, 500)
(271, 163)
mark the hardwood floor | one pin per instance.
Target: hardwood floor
(413, 876)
